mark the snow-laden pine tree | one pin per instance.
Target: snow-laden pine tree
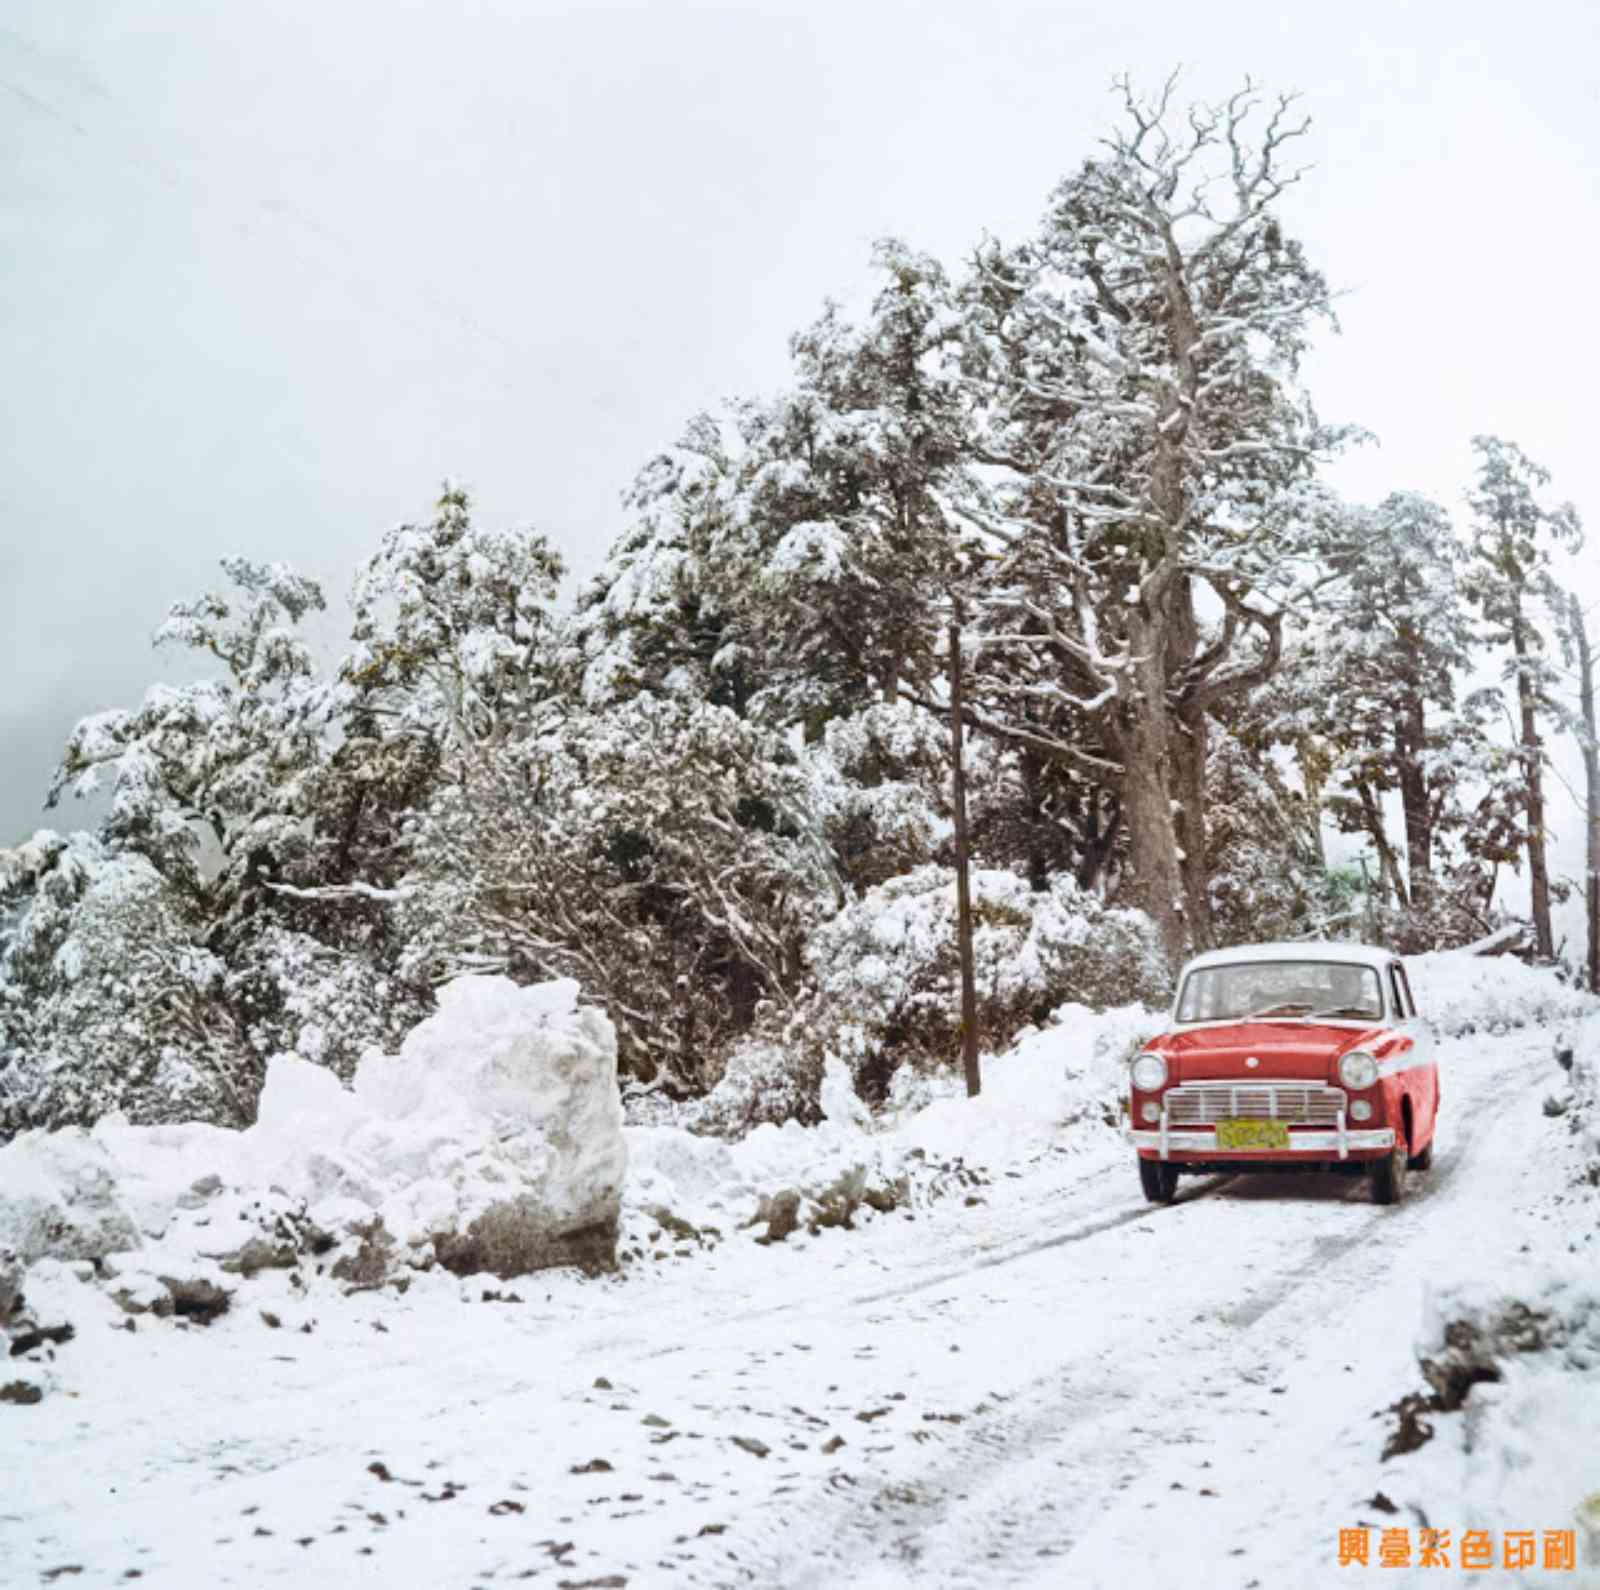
(1513, 535)
(1150, 502)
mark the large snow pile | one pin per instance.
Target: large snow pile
(492, 1141)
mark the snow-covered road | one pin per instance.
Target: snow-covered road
(1050, 1383)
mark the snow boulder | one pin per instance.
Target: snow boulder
(495, 1133)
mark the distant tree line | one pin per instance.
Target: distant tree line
(716, 789)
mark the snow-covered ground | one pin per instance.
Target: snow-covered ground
(1032, 1378)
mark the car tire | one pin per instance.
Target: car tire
(1424, 1160)
(1389, 1175)
(1159, 1180)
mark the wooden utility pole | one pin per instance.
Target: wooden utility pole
(958, 800)
(1584, 647)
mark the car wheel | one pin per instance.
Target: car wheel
(1424, 1160)
(1389, 1175)
(1159, 1180)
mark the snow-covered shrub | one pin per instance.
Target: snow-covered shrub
(295, 993)
(766, 1080)
(660, 851)
(877, 779)
(110, 999)
(888, 980)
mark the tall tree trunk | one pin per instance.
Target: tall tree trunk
(1410, 743)
(1189, 743)
(1144, 747)
(1390, 883)
(1533, 798)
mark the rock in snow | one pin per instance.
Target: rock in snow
(495, 1135)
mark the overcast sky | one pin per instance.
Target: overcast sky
(273, 271)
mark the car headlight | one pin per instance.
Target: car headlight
(1149, 1072)
(1358, 1070)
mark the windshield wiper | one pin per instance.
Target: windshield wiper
(1340, 1010)
(1282, 1008)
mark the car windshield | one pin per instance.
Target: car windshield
(1280, 988)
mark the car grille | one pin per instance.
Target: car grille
(1298, 1103)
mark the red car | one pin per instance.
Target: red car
(1286, 1056)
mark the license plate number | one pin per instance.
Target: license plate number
(1252, 1134)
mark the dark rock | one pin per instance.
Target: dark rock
(516, 1238)
(21, 1393)
(28, 1340)
(748, 1443)
(593, 1466)
(198, 1299)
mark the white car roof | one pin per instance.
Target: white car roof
(1349, 954)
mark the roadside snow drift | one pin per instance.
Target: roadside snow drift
(492, 1141)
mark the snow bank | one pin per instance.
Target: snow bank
(1520, 1360)
(1459, 993)
(492, 1140)
(1581, 1048)
(1056, 1087)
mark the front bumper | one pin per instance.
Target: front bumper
(1202, 1144)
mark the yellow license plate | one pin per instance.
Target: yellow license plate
(1252, 1134)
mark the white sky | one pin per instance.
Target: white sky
(273, 272)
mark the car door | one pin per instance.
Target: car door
(1421, 1078)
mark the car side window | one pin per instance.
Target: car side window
(1405, 988)
(1397, 989)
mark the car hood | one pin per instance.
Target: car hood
(1299, 1050)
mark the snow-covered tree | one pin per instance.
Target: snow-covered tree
(1513, 535)
(110, 998)
(226, 760)
(786, 557)
(1151, 509)
(452, 625)
(1580, 720)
